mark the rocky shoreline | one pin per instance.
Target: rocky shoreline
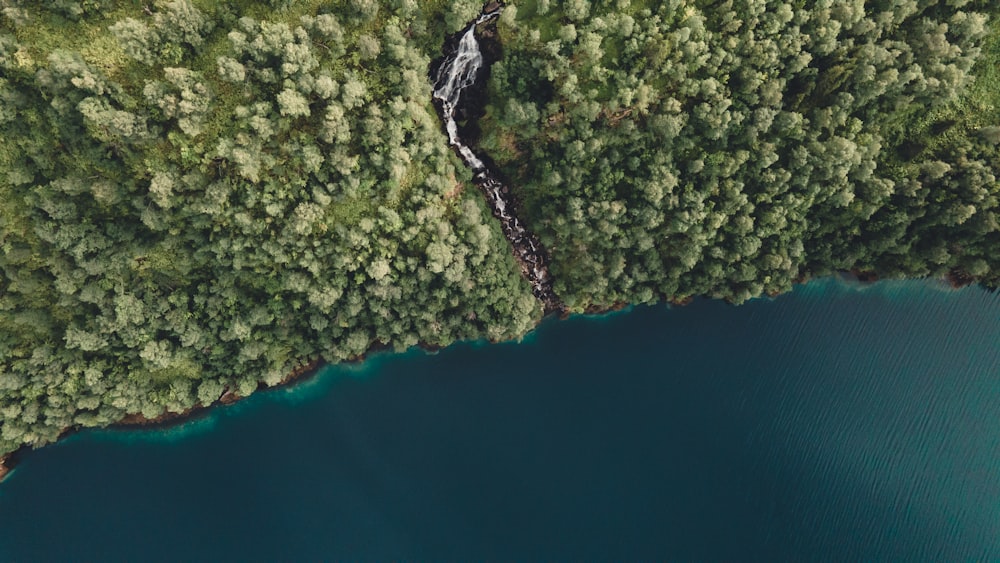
(303, 372)
(169, 419)
(306, 370)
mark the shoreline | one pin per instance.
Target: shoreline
(312, 367)
(167, 419)
(135, 421)
(229, 396)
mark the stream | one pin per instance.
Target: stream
(461, 68)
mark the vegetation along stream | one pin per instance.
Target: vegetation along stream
(455, 75)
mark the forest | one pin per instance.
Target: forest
(200, 197)
(665, 150)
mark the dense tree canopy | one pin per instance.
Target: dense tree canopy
(680, 148)
(201, 196)
(197, 198)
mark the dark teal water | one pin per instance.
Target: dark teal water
(833, 423)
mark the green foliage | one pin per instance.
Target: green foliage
(248, 189)
(175, 30)
(665, 150)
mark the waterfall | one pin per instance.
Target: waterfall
(457, 72)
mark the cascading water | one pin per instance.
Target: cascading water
(457, 72)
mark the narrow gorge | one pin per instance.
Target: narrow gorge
(454, 76)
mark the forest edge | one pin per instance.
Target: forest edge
(311, 368)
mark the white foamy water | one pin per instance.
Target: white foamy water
(458, 72)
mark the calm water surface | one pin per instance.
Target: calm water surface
(831, 423)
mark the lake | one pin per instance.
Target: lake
(837, 422)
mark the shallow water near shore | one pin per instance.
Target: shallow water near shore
(837, 422)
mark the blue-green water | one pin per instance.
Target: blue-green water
(833, 423)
